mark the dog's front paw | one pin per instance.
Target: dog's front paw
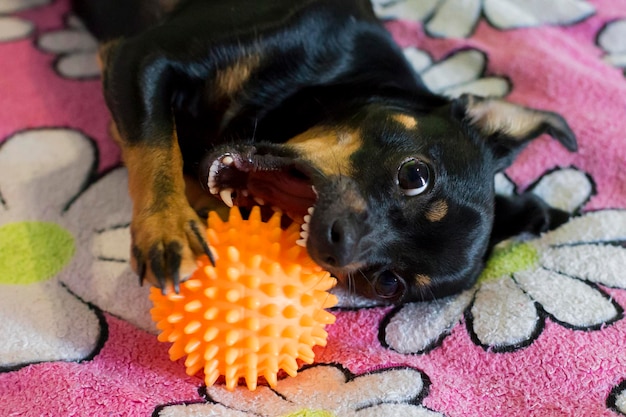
(165, 246)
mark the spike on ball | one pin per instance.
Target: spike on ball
(260, 309)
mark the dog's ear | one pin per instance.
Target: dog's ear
(508, 127)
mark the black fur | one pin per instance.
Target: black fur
(322, 63)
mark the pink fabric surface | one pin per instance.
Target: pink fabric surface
(571, 363)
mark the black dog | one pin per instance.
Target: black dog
(302, 104)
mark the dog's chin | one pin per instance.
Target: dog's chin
(246, 179)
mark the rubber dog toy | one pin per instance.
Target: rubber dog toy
(260, 309)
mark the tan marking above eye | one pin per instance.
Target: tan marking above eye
(405, 120)
(437, 211)
(230, 80)
(422, 280)
(328, 149)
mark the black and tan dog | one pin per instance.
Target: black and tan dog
(310, 107)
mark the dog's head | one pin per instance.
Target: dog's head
(400, 203)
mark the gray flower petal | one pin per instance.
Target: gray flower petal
(14, 28)
(459, 68)
(509, 14)
(417, 327)
(568, 300)
(11, 6)
(602, 264)
(455, 18)
(567, 189)
(613, 38)
(503, 315)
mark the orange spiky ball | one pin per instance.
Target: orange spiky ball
(258, 310)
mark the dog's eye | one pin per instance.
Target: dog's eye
(389, 286)
(413, 177)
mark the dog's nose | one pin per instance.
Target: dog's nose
(336, 246)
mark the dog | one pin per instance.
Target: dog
(308, 107)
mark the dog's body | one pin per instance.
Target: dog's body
(309, 104)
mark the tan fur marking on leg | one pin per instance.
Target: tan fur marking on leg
(437, 211)
(405, 120)
(329, 150)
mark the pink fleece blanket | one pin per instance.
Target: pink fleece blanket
(542, 333)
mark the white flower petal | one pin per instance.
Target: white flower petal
(417, 327)
(419, 59)
(459, 68)
(395, 385)
(509, 14)
(503, 315)
(616, 60)
(504, 186)
(455, 18)
(261, 402)
(47, 165)
(602, 264)
(79, 65)
(568, 300)
(402, 9)
(599, 226)
(112, 244)
(613, 37)
(620, 402)
(14, 28)
(204, 410)
(104, 205)
(65, 41)
(45, 323)
(74, 22)
(11, 6)
(97, 273)
(404, 410)
(567, 189)
(484, 87)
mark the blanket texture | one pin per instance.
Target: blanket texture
(542, 333)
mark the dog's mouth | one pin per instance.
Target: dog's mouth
(282, 184)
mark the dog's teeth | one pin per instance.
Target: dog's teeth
(305, 227)
(212, 182)
(259, 201)
(227, 160)
(227, 196)
(301, 242)
(315, 190)
(307, 219)
(245, 193)
(310, 210)
(304, 234)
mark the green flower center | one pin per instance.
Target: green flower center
(310, 413)
(32, 252)
(506, 260)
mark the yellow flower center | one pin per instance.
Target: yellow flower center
(508, 259)
(311, 413)
(32, 252)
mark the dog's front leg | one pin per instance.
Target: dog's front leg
(167, 234)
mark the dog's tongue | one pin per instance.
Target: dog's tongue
(290, 193)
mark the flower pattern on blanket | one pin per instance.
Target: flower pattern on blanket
(459, 18)
(617, 398)
(319, 391)
(612, 39)
(557, 276)
(76, 49)
(13, 28)
(37, 242)
(461, 72)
